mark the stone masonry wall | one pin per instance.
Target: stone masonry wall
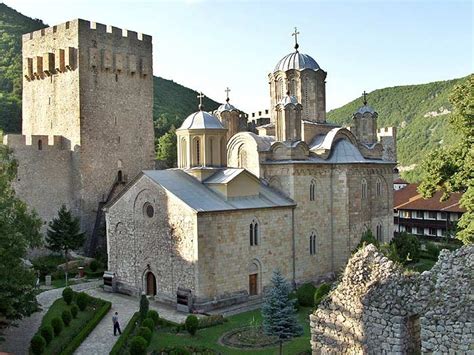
(379, 308)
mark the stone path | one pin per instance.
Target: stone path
(18, 338)
(101, 339)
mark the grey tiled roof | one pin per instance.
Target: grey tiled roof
(296, 60)
(201, 120)
(202, 199)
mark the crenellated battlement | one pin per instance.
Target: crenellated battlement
(80, 24)
(37, 142)
(386, 131)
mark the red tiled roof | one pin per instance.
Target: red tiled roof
(400, 181)
(409, 198)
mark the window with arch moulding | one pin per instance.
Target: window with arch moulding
(312, 191)
(379, 187)
(253, 233)
(312, 244)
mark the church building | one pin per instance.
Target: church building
(295, 197)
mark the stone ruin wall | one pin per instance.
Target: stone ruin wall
(379, 308)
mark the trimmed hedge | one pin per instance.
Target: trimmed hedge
(305, 295)
(47, 333)
(68, 294)
(138, 346)
(212, 320)
(79, 338)
(58, 325)
(153, 315)
(37, 344)
(192, 324)
(320, 293)
(66, 316)
(145, 333)
(74, 311)
(120, 343)
(148, 322)
(82, 300)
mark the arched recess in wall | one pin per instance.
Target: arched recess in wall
(255, 277)
(40, 144)
(384, 189)
(242, 154)
(183, 152)
(211, 153)
(364, 190)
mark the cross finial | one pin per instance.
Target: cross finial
(296, 33)
(200, 97)
(227, 90)
(364, 94)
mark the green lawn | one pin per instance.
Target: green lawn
(68, 333)
(209, 337)
(422, 265)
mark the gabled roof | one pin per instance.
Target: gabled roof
(409, 198)
(201, 198)
(225, 176)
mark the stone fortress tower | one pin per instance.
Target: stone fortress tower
(87, 118)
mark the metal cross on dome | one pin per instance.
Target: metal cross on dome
(364, 94)
(296, 33)
(200, 97)
(227, 90)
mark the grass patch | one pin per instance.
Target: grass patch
(423, 264)
(209, 337)
(69, 334)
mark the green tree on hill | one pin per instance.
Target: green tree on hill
(19, 230)
(451, 169)
(64, 234)
(166, 149)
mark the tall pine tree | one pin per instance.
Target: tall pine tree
(279, 312)
(64, 234)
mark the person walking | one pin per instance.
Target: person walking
(115, 320)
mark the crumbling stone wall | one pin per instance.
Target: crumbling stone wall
(379, 308)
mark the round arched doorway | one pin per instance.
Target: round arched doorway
(150, 284)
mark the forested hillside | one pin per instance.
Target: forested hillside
(12, 26)
(172, 104)
(420, 113)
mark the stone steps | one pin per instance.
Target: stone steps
(239, 308)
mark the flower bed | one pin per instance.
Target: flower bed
(248, 337)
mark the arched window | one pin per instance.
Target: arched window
(198, 152)
(253, 233)
(211, 150)
(312, 244)
(379, 233)
(40, 145)
(364, 189)
(312, 190)
(119, 176)
(378, 187)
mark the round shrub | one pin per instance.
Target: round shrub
(47, 333)
(66, 317)
(407, 246)
(305, 295)
(74, 311)
(153, 315)
(148, 322)
(82, 300)
(57, 325)
(37, 344)
(192, 324)
(94, 265)
(68, 294)
(138, 346)
(145, 333)
(321, 291)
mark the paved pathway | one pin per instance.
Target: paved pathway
(101, 340)
(18, 338)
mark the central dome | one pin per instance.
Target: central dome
(201, 120)
(296, 60)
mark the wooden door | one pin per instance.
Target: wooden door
(253, 288)
(150, 284)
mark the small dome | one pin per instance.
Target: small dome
(365, 109)
(226, 107)
(288, 100)
(296, 60)
(201, 120)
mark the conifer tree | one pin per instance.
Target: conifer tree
(279, 312)
(64, 234)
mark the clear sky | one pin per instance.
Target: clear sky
(363, 45)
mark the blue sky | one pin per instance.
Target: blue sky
(363, 45)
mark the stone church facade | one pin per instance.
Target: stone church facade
(87, 118)
(296, 197)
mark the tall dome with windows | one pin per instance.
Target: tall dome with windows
(201, 140)
(302, 76)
